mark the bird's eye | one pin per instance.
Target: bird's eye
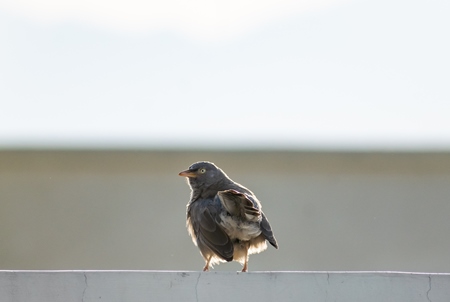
(202, 170)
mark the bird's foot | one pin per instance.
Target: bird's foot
(245, 268)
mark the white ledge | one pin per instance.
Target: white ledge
(67, 286)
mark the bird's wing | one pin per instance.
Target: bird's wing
(239, 204)
(212, 235)
(267, 231)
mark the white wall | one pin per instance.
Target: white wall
(68, 286)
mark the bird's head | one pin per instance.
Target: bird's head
(204, 175)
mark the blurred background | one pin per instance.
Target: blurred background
(334, 112)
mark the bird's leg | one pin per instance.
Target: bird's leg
(245, 268)
(206, 268)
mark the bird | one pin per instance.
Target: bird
(224, 218)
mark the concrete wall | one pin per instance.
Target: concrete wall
(138, 286)
(126, 210)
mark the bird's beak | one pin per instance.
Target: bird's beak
(188, 173)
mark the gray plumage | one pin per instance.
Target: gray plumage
(224, 218)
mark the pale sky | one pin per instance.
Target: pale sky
(225, 74)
